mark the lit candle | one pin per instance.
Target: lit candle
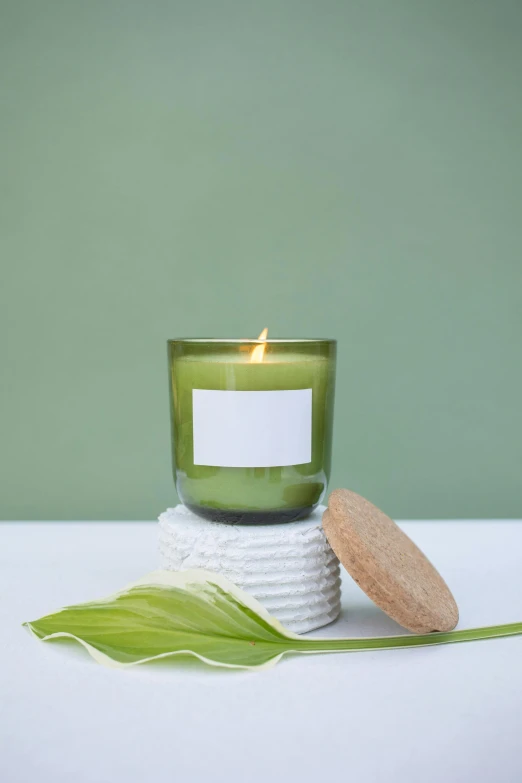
(252, 426)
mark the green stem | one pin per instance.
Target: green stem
(414, 640)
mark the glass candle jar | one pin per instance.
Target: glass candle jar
(251, 426)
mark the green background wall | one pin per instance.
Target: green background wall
(341, 169)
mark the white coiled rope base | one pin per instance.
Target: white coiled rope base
(290, 568)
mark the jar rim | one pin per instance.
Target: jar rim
(252, 341)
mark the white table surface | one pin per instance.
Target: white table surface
(451, 713)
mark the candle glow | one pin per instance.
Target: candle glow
(259, 351)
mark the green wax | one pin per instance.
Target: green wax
(251, 494)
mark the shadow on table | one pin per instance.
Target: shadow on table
(360, 620)
(73, 650)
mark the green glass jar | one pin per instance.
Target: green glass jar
(251, 426)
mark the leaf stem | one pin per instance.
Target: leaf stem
(408, 640)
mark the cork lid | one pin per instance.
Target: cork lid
(387, 565)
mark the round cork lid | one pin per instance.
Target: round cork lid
(387, 565)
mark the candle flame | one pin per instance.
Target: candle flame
(259, 351)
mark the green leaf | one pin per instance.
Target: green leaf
(202, 614)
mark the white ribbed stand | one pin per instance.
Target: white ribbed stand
(290, 568)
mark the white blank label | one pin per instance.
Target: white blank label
(252, 429)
